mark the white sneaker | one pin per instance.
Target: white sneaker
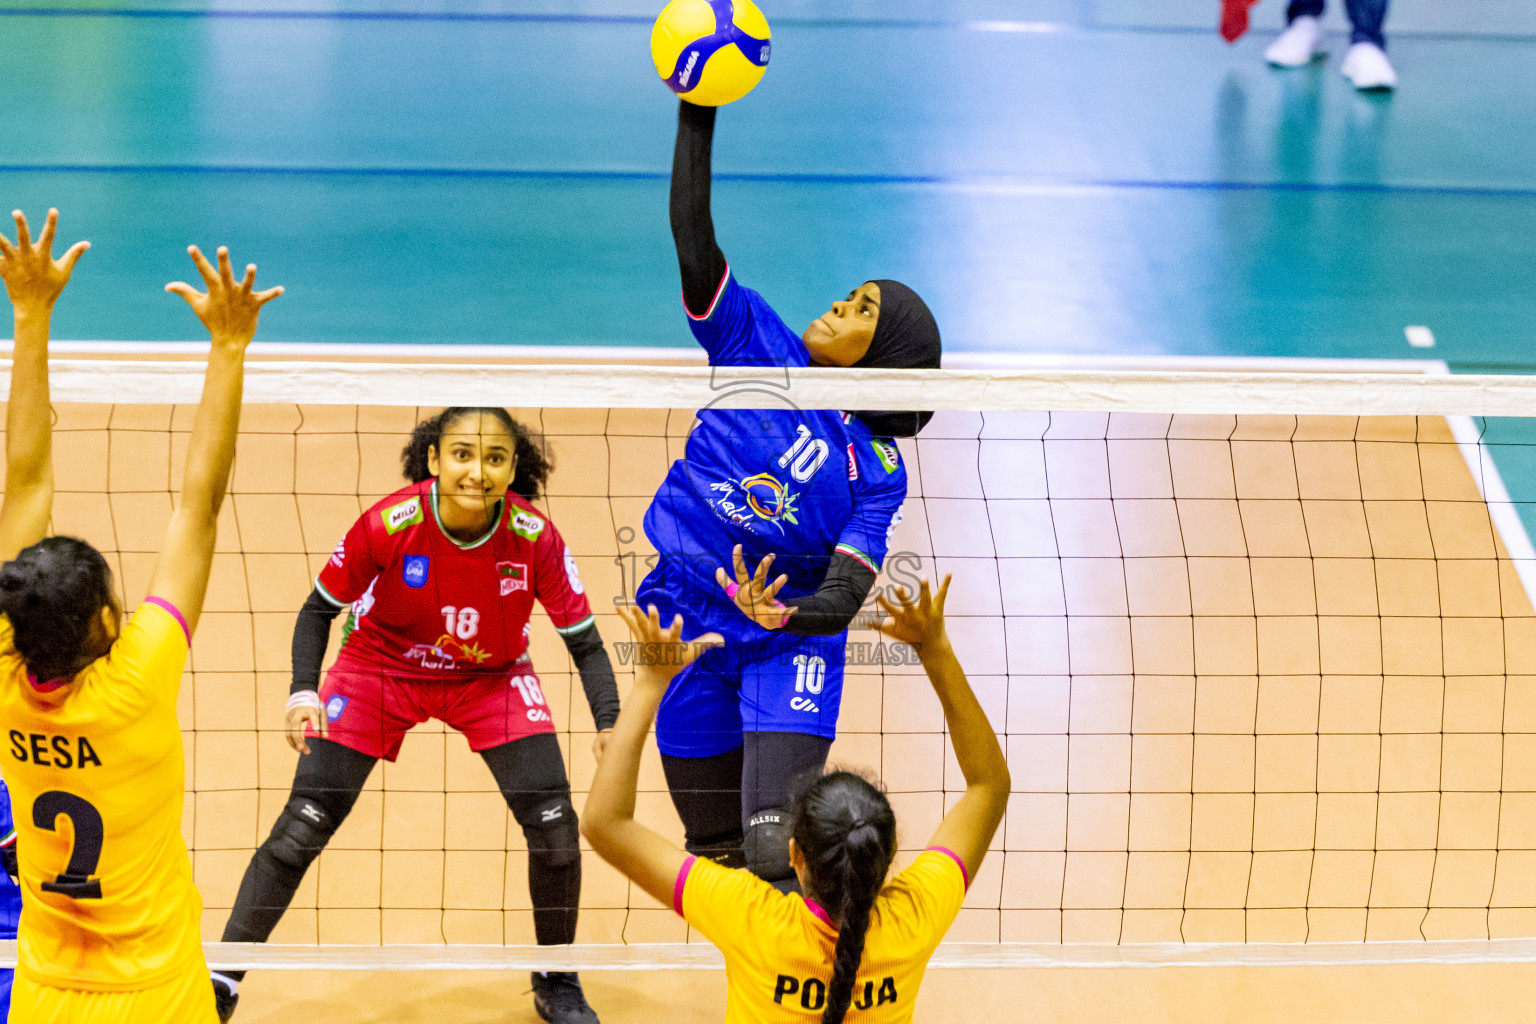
(1298, 44)
(1367, 66)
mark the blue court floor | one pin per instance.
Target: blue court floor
(1056, 176)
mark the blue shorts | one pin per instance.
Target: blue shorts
(778, 682)
(782, 684)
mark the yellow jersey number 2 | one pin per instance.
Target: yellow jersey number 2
(76, 881)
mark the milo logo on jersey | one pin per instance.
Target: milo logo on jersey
(762, 497)
(398, 517)
(526, 525)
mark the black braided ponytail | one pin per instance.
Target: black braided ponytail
(846, 831)
(52, 592)
(534, 463)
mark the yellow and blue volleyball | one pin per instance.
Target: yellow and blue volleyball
(711, 52)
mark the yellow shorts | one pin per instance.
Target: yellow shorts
(184, 1000)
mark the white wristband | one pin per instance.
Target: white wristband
(304, 699)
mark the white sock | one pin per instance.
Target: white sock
(226, 981)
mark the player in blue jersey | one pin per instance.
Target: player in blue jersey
(10, 893)
(810, 494)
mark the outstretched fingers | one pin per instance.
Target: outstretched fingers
(72, 256)
(262, 298)
(226, 272)
(939, 598)
(761, 576)
(740, 565)
(23, 236)
(773, 588)
(45, 241)
(210, 276)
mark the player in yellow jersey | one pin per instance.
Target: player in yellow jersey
(93, 753)
(855, 946)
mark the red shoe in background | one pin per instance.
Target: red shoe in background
(1234, 18)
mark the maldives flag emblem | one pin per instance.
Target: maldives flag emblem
(513, 576)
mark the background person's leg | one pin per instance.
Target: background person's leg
(698, 731)
(772, 763)
(531, 776)
(326, 784)
(707, 794)
(1366, 18)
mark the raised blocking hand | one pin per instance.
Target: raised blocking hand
(756, 597)
(230, 308)
(33, 278)
(917, 621)
(661, 653)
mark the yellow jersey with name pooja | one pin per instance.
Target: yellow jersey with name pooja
(779, 948)
(95, 768)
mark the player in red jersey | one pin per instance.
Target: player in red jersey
(440, 578)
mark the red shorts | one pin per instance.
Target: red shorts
(370, 709)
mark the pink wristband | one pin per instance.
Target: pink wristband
(731, 588)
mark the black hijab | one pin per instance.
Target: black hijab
(906, 338)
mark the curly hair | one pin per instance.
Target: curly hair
(534, 463)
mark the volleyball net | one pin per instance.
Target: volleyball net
(1260, 648)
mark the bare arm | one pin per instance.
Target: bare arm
(33, 280)
(968, 828)
(608, 820)
(229, 310)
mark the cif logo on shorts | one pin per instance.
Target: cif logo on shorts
(415, 570)
(335, 706)
(513, 576)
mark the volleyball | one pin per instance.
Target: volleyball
(710, 52)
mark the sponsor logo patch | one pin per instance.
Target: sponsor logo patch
(431, 656)
(513, 577)
(527, 525)
(763, 496)
(889, 458)
(339, 556)
(853, 464)
(335, 706)
(415, 570)
(398, 517)
(572, 575)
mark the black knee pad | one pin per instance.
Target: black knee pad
(724, 850)
(767, 844)
(301, 832)
(550, 827)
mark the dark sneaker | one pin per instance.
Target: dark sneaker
(224, 1001)
(558, 998)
